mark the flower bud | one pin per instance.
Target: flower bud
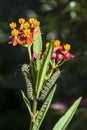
(68, 56)
(59, 57)
(34, 56)
(54, 56)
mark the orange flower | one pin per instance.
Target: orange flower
(29, 39)
(14, 38)
(14, 32)
(56, 43)
(26, 32)
(34, 22)
(14, 41)
(26, 25)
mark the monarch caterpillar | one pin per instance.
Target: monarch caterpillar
(49, 84)
(26, 73)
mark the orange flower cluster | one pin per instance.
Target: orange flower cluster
(24, 34)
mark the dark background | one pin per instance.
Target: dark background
(62, 19)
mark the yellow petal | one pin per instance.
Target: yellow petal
(67, 47)
(12, 25)
(21, 20)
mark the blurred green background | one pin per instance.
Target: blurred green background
(60, 19)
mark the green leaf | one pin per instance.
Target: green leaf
(26, 102)
(43, 68)
(37, 45)
(43, 110)
(65, 120)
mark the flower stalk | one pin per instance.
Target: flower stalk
(29, 53)
(34, 114)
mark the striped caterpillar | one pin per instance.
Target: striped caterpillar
(49, 84)
(27, 76)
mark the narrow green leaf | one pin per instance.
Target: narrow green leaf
(37, 45)
(65, 120)
(43, 110)
(43, 68)
(26, 102)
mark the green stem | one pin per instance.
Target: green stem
(30, 59)
(29, 53)
(59, 64)
(34, 108)
(34, 114)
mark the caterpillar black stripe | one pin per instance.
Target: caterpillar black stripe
(49, 84)
(26, 73)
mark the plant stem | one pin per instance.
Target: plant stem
(29, 53)
(34, 110)
(34, 114)
(34, 107)
(59, 64)
(30, 60)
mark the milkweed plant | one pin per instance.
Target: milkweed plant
(42, 71)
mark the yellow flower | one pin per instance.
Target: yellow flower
(67, 47)
(26, 25)
(47, 44)
(26, 32)
(14, 32)
(56, 43)
(34, 22)
(12, 25)
(21, 20)
(31, 20)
